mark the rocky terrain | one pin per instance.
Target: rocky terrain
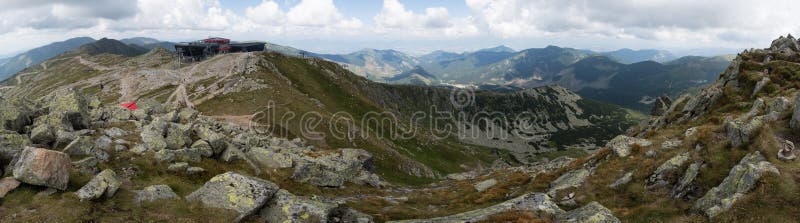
(197, 148)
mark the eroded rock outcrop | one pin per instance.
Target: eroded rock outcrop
(621, 145)
(529, 202)
(741, 179)
(591, 213)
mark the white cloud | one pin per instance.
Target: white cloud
(436, 21)
(268, 12)
(320, 13)
(657, 20)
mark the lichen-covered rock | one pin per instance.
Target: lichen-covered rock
(188, 114)
(685, 187)
(776, 107)
(104, 183)
(265, 158)
(286, 207)
(154, 193)
(667, 172)
(333, 169)
(591, 213)
(622, 181)
(621, 145)
(235, 192)
(115, 132)
(42, 134)
(571, 179)
(486, 184)
(741, 132)
(669, 144)
(794, 123)
(690, 132)
(69, 110)
(202, 147)
(180, 155)
(153, 135)
(12, 117)
(177, 136)
(740, 180)
(43, 167)
(82, 146)
(214, 139)
(87, 165)
(11, 144)
(528, 202)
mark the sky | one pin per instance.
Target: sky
(706, 27)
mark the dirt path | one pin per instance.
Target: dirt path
(91, 64)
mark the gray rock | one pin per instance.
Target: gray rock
(690, 132)
(195, 170)
(115, 132)
(794, 123)
(486, 184)
(153, 135)
(180, 155)
(333, 169)
(348, 215)
(661, 105)
(571, 179)
(11, 145)
(154, 193)
(178, 167)
(42, 135)
(104, 183)
(622, 181)
(591, 213)
(740, 132)
(233, 191)
(69, 110)
(685, 187)
(621, 145)
(214, 139)
(203, 148)
(286, 207)
(740, 180)
(666, 173)
(265, 158)
(87, 165)
(13, 117)
(118, 113)
(776, 107)
(761, 83)
(188, 114)
(82, 146)
(786, 44)
(37, 166)
(670, 144)
(177, 136)
(536, 202)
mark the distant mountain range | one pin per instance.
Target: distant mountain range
(626, 77)
(35, 56)
(135, 46)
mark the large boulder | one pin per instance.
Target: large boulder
(348, 215)
(741, 132)
(335, 168)
(233, 191)
(154, 193)
(82, 146)
(571, 179)
(13, 117)
(591, 213)
(740, 180)
(153, 135)
(266, 158)
(786, 44)
(621, 145)
(686, 188)
(667, 172)
(286, 207)
(11, 144)
(214, 139)
(177, 136)
(43, 167)
(69, 109)
(535, 202)
(104, 183)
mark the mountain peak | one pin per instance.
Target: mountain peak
(111, 46)
(498, 49)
